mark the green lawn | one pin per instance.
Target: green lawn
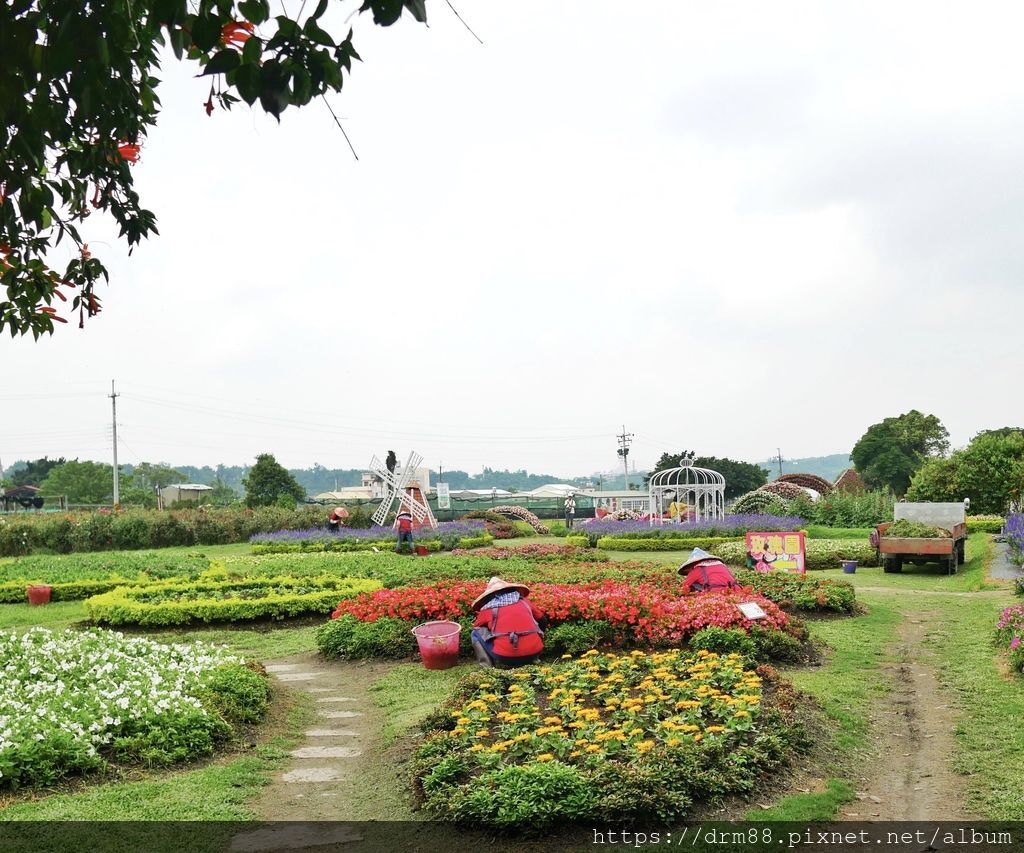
(970, 577)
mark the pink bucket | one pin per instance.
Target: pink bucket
(439, 644)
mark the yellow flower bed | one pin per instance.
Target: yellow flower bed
(652, 715)
(604, 704)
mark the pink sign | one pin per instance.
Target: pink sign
(777, 552)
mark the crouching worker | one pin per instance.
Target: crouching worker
(705, 571)
(509, 630)
(336, 520)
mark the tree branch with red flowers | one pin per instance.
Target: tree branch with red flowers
(78, 97)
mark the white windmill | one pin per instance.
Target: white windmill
(411, 499)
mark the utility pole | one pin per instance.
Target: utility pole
(117, 479)
(624, 440)
(780, 460)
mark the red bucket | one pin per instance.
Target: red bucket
(439, 644)
(421, 550)
(38, 593)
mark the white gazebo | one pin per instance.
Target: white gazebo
(700, 489)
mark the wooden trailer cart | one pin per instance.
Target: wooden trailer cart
(947, 551)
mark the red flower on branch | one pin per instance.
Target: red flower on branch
(236, 33)
(129, 152)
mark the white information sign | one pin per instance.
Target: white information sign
(444, 500)
(752, 610)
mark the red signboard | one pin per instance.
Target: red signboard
(777, 552)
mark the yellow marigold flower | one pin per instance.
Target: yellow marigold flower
(574, 754)
(545, 756)
(489, 697)
(482, 733)
(521, 737)
(499, 747)
(463, 721)
(645, 746)
(589, 654)
(566, 657)
(674, 741)
(712, 730)
(457, 732)
(742, 714)
(698, 737)
(476, 747)
(551, 720)
(593, 748)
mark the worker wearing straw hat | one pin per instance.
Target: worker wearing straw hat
(704, 571)
(336, 520)
(509, 630)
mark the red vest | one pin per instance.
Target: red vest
(709, 574)
(405, 524)
(518, 618)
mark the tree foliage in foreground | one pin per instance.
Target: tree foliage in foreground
(891, 452)
(79, 94)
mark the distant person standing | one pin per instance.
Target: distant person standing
(570, 510)
(404, 520)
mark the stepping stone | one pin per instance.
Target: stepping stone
(335, 699)
(332, 733)
(340, 715)
(326, 752)
(294, 836)
(314, 774)
(296, 676)
(281, 667)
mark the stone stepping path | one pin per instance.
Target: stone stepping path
(1003, 566)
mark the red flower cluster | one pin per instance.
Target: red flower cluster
(649, 612)
(236, 33)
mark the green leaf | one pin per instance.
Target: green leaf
(320, 9)
(256, 11)
(418, 9)
(274, 94)
(302, 87)
(226, 60)
(247, 82)
(253, 50)
(316, 35)
(205, 32)
(177, 39)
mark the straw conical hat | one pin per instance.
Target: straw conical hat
(341, 512)
(496, 585)
(697, 555)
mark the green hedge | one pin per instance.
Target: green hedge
(335, 546)
(619, 543)
(821, 553)
(173, 603)
(14, 592)
(578, 541)
(985, 525)
(63, 533)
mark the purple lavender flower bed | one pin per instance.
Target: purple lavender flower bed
(1015, 533)
(730, 525)
(443, 531)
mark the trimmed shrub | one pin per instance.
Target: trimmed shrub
(615, 543)
(578, 541)
(821, 553)
(986, 524)
(175, 603)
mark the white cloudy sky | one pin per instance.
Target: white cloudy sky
(728, 226)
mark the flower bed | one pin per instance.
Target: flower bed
(74, 701)
(523, 514)
(446, 536)
(821, 553)
(1015, 535)
(536, 552)
(643, 613)
(603, 739)
(729, 526)
(174, 603)
(672, 543)
(89, 574)
(1010, 634)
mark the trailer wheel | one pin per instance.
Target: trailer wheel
(951, 562)
(892, 565)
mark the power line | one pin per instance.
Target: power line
(624, 440)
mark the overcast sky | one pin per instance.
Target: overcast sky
(731, 227)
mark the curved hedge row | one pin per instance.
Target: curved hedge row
(619, 543)
(174, 603)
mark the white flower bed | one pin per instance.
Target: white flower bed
(66, 695)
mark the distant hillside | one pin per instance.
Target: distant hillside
(829, 467)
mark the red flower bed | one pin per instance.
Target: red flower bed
(651, 612)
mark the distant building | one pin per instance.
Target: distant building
(372, 489)
(181, 492)
(612, 500)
